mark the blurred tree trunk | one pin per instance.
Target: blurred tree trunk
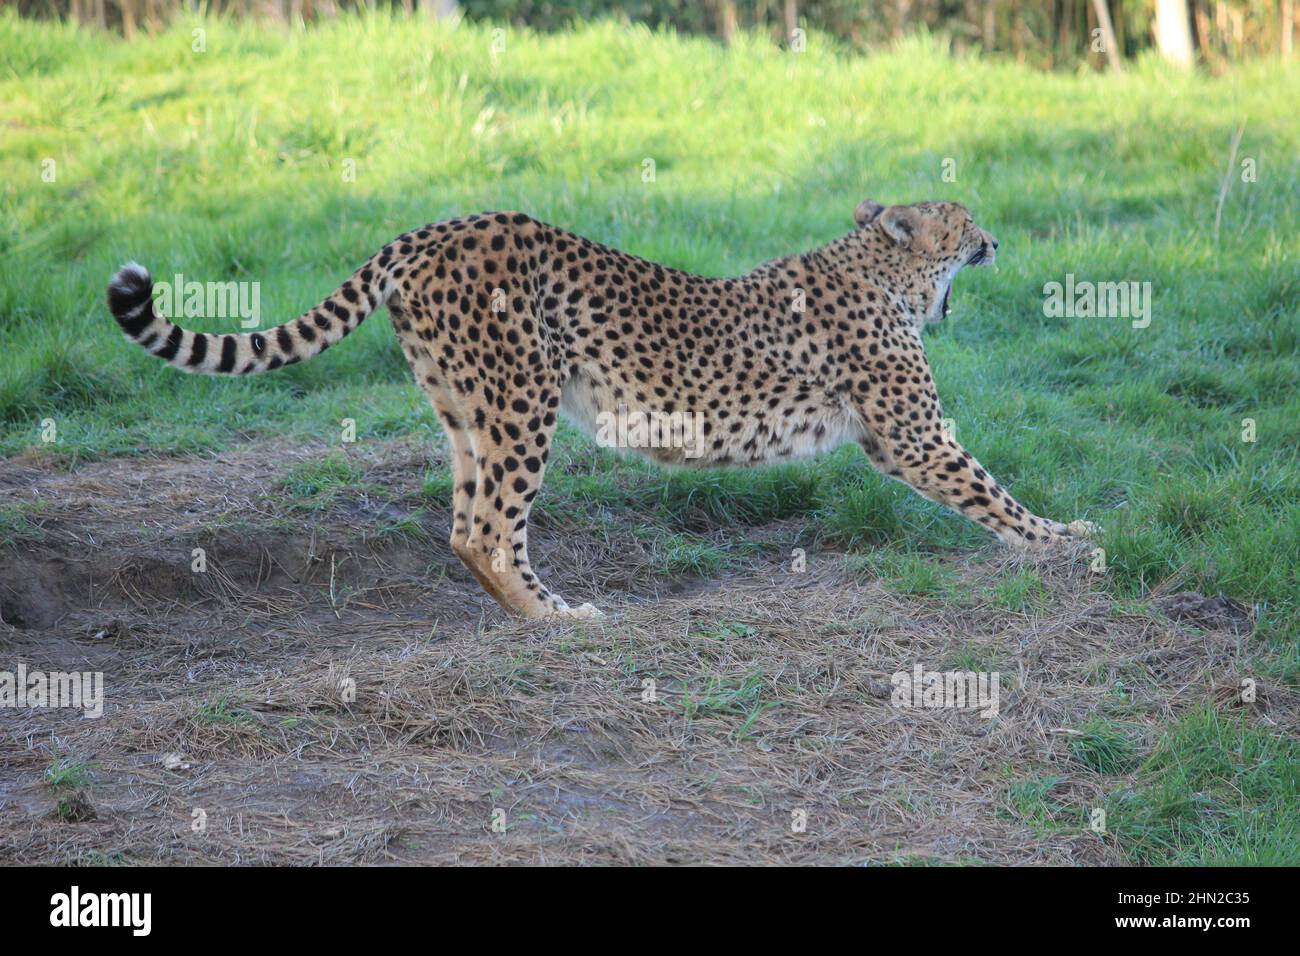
(989, 27)
(1173, 32)
(902, 10)
(128, 18)
(1288, 27)
(1203, 33)
(1018, 30)
(1107, 29)
(725, 12)
(790, 14)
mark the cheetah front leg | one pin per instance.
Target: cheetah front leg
(931, 462)
(903, 435)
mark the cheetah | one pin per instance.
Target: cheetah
(507, 321)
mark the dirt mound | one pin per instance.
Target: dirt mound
(1213, 613)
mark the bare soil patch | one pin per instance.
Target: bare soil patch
(328, 693)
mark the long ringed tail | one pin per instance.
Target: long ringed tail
(130, 298)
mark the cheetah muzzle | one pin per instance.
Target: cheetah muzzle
(506, 321)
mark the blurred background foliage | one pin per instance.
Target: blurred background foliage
(1044, 33)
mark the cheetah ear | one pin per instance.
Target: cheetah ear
(867, 212)
(900, 223)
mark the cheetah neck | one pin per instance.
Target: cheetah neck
(866, 258)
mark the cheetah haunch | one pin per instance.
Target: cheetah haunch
(506, 320)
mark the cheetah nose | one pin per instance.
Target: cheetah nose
(995, 245)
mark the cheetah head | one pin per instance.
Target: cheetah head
(939, 239)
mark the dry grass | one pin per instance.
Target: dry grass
(326, 695)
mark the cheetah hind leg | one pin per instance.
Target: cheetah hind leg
(465, 480)
(496, 550)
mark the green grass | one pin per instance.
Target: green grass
(719, 697)
(1021, 591)
(723, 631)
(16, 522)
(316, 484)
(972, 658)
(70, 780)
(230, 164)
(1213, 792)
(218, 711)
(1032, 802)
(907, 573)
(68, 774)
(1105, 747)
(685, 554)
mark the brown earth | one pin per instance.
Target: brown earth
(228, 692)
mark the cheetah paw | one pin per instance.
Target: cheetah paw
(1083, 529)
(583, 612)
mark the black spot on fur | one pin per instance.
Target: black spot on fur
(198, 350)
(172, 345)
(228, 349)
